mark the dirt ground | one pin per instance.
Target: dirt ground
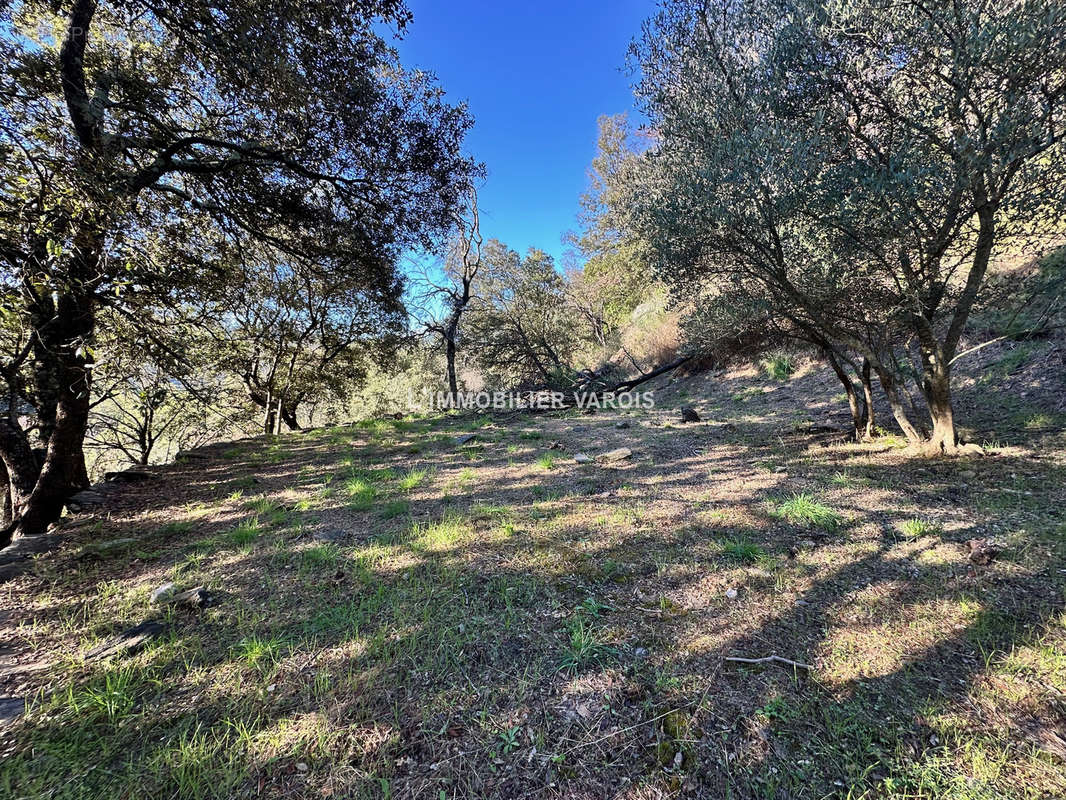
(393, 614)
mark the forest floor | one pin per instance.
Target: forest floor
(394, 614)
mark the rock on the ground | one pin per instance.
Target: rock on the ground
(84, 501)
(731, 594)
(196, 597)
(616, 455)
(622, 425)
(168, 595)
(466, 438)
(582, 458)
(11, 708)
(162, 594)
(131, 475)
(27, 546)
(106, 546)
(129, 641)
(688, 414)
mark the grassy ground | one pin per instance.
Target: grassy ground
(499, 621)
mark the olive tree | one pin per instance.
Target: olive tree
(860, 161)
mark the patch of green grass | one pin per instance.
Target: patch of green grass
(110, 696)
(742, 551)
(395, 508)
(413, 479)
(745, 395)
(848, 480)
(444, 533)
(258, 652)
(1038, 422)
(244, 534)
(546, 461)
(1014, 359)
(529, 435)
(804, 509)
(582, 648)
(200, 764)
(361, 494)
(779, 366)
(914, 528)
(319, 556)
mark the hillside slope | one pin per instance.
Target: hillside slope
(392, 613)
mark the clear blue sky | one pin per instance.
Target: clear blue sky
(536, 76)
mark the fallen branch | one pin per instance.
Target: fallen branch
(767, 660)
(629, 385)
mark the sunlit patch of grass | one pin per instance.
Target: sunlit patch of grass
(258, 652)
(441, 535)
(413, 479)
(804, 509)
(546, 461)
(848, 480)
(361, 494)
(914, 528)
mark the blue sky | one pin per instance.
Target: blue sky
(536, 75)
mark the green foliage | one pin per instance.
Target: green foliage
(804, 509)
(779, 366)
(913, 528)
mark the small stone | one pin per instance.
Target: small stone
(85, 500)
(640, 652)
(329, 535)
(731, 594)
(621, 425)
(196, 597)
(466, 438)
(616, 455)
(272, 687)
(301, 767)
(582, 458)
(162, 594)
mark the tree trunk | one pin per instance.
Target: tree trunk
(268, 413)
(868, 396)
(855, 403)
(895, 402)
(937, 389)
(288, 416)
(449, 355)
